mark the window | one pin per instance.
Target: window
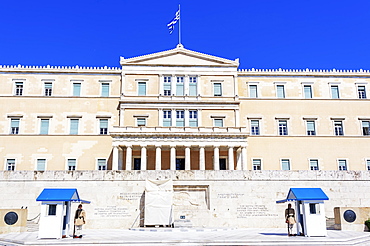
(44, 126)
(314, 208)
(217, 89)
(338, 128)
(105, 89)
(167, 86)
(14, 126)
(193, 118)
(283, 127)
(285, 164)
(102, 164)
(167, 118)
(48, 87)
(280, 92)
(18, 88)
(334, 92)
(141, 88)
(74, 126)
(253, 91)
(368, 165)
(76, 89)
(179, 86)
(307, 91)
(193, 87)
(311, 128)
(314, 165)
(71, 164)
(342, 165)
(141, 122)
(256, 164)
(41, 164)
(10, 164)
(365, 127)
(218, 122)
(180, 118)
(255, 127)
(137, 163)
(103, 126)
(361, 92)
(52, 209)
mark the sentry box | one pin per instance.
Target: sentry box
(309, 211)
(56, 212)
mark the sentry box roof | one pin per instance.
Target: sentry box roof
(58, 195)
(300, 194)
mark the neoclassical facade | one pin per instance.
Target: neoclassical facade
(183, 110)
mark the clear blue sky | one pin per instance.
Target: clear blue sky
(262, 33)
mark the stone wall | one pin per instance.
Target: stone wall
(207, 198)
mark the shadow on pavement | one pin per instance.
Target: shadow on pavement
(275, 234)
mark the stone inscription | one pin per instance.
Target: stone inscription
(130, 196)
(229, 195)
(111, 212)
(244, 211)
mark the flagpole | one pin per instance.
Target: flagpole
(179, 25)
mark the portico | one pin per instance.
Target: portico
(161, 148)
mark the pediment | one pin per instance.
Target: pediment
(179, 57)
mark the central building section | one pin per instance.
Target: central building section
(179, 110)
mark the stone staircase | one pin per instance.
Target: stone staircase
(32, 226)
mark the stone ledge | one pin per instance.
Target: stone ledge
(191, 175)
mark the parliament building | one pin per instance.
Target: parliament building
(183, 110)
(233, 141)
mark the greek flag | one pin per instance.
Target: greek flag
(171, 24)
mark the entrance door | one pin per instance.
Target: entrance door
(222, 164)
(180, 164)
(137, 163)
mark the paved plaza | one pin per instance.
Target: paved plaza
(190, 236)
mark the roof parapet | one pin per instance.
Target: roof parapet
(49, 68)
(305, 71)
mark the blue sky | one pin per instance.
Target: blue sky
(262, 33)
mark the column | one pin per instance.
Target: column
(236, 90)
(143, 158)
(158, 158)
(128, 157)
(160, 117)
(187, 157)
(186, 85)
(202, 163)
(120, 158)
(161, 81)
(216, 158)
(115, 158)
(231, 157)
(173, 117)
(244, 158)
(173, 158)
(239, 159)
(237, 118)
(186, 117)
(123, 83)
(173, 85)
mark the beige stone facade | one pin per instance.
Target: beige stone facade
(183, 110)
